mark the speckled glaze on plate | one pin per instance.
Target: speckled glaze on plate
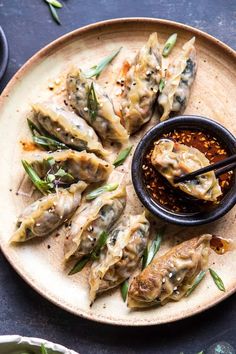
(15, 344)
(213, 95)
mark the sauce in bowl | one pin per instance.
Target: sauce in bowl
(171, 198)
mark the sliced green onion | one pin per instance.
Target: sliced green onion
(101, 242)
(124, 290)
(92, 256)
(43, 349)
(79, 265)
(169, 45)
(46, 142)
(122, 156)
(54, 3)
(54, 14)
(40, 184)
(33, 127)
(106, 188)
(43, 140)
(161, 85)
(150, 252)
(97, 69)
(92, 103)
(196, 282)
(218, 281)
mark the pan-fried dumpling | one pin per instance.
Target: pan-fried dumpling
(48, 213)
(169, 277)
(90, 220)
(121, 256)
(81, 165)
(83, 93)
(178, 81)
(141, 85)
(67, 127)
(172, 160)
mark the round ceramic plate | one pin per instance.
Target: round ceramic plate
(17, 344)
(213, 95)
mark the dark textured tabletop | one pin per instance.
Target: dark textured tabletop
(29, 27)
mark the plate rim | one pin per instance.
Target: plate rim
(51, 47)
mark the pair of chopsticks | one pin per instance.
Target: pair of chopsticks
(220, 167)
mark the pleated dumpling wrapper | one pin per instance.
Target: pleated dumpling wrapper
(93, 104)
(178, 81)
(141, 86)
(90, 220)
(67, 127)
(121, 255)
(82, 165)
(172, 160)
(48, 213)
(170, 276)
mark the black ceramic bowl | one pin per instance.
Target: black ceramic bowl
(190, 123)
(3, 52)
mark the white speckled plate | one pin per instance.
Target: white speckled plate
(17, 344)
(213, 95)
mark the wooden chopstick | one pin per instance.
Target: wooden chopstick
(222, 166)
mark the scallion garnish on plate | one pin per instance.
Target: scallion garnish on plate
(196, 282)
(124, 290)
(97, 69)
(92, 102)
(122, 156)
(106, 188)
(169, 45)
(151, 251)
(92, 256)
(218, 281)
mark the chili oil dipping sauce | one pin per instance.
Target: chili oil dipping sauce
(171, 197)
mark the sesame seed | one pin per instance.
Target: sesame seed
(170, 275)
(58, 129)
(163, 280)
(38, 224)
(175, 288)
(86, 109)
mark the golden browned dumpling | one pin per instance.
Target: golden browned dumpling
(81, 165)
(48, 213)
(93, 104)
(172, 160)
(67, 127)
(121, 256)
(169, 277)
(141, 85)
(90, 220)
(178, 80)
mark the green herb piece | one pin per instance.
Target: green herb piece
(161, 85)
(43, 349)
(124, 290)
(79, 265)
(54, 14)
(92, 256)
(218, 281)
(202, 352)
(97, 69)
(106, 188)
(169, 45)
(54, 3)
(122, 156)
(63, 173)
(197, 280)
(46, 142)
(33, 127)
(40, 184)
(101, 242)
(92, 103)
(150, 252)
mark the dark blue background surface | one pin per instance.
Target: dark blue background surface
(28, 26)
